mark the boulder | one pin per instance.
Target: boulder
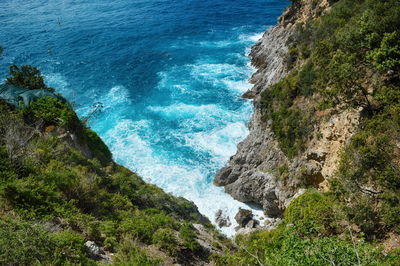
(243, 217)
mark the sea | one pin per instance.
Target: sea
(169, 75)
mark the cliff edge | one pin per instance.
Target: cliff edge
(261, 172)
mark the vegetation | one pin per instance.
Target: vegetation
(27, 77)
(349, 59)
(53, 111)
(54, 196)
(290, 123)
(312, 233)
(355, 53)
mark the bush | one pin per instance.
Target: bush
(97, 146)
(314, 213)
(142, 226)
(129, 254)
(53, 111)
(387, 56)
(70, 249)
(285, 246)
(24, 244)
(290, 124)
(165, 239)
(187, 234)
(368, 176)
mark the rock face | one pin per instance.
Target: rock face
(250, 175)
(246, 176)
(243, 217)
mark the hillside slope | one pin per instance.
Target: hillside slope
(63, 200)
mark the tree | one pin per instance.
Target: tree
(28, 77)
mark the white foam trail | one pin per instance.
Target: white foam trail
(256, 37)
(221, 143)
(216, 44)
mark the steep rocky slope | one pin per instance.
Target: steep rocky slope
(253, 174)
(65, 199)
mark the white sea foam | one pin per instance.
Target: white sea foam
(185, 111)
(221, 143)
(207, 130)
(216, 44)
(256, 37)
(56, 80)
(116, 96)
(251, 37)
(135, 152)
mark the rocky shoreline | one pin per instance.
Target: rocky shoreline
(244, 177)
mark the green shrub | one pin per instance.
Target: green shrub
(290, 124)
(97, 146)
(129, 254)
(166, 240)
(142, 226)
(70, 249)
(387, 56)
(23, 243)
(313, 212)
(187, 234)
(53, 111)
(291, 57)
(285, 246)
(368, 176)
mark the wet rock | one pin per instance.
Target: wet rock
(243, 217)
(252, 224)
(222, 220)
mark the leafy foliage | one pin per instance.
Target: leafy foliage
(26, 243)
(28, 77)
(85, 198)
(314, 213)
(166, 240)
(52, 110)
(290, 124)
(297, 241)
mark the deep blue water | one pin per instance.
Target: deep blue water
(169, 73)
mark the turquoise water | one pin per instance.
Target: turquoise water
(169, 73)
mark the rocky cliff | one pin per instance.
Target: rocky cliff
(260, 172)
